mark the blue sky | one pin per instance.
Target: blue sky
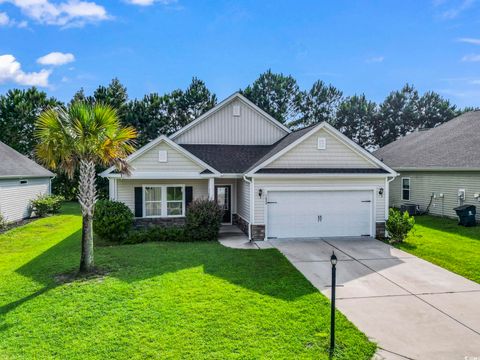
(369, 47)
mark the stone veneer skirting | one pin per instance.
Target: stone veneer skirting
(258, 232)
(380, 230)
(241, 223)
(146, 222)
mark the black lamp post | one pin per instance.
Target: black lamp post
(333, 261)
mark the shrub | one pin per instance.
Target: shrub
(203, 220)
(155, 233)
(3, 222)
(47, 204)
(399, 225)
(112, 220)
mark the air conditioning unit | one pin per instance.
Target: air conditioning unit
(412, 209)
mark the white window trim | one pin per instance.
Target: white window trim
(409, 188)
(163, 210)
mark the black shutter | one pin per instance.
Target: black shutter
(138, 202)
(188, 196)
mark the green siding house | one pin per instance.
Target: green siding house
(439, 168)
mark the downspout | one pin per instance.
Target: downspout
(250, 183)
(387, 199)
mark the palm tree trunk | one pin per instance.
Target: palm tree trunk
(87, 196)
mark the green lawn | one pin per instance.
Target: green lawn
(442, 242)
(158, 300)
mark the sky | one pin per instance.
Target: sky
(370, 47)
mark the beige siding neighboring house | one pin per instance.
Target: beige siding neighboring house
(21, 181)
(270, 181)
(439, 168)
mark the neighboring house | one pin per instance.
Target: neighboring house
(21, 180)
(272, 182)
(439, 167)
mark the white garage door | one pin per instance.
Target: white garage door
(304, 214)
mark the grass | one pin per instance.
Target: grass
(158, 300)
(442, 242)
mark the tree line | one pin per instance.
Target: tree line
(369, 124)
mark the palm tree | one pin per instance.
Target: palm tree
(81, 137)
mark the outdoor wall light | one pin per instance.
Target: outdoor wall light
(260, 192)
(380, 191)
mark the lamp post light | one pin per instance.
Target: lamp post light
(333, 261)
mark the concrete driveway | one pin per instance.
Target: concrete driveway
(410, 307)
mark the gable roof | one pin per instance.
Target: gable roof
(291, 140)
(228, 159)
(224, 103)
(452, 145)
(15, 165)
(157, 141)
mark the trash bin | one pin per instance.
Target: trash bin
(466, 215)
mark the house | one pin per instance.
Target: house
(439, 167)
(21, 181)
(271, 181)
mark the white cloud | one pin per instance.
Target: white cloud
(11, 71)
(56, 59)
(150, 2)
(66, 14)
(469, 41)
(454, 12)
(4, 19)
(471, 58)
(375, 59)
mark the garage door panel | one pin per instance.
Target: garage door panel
(319, 213)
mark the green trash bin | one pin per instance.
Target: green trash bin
(466, 215)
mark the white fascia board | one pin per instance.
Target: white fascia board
(223, 103)
(353, 176)
(443, 169)
(155, 142)
(335, 133)
(354, 146)
(160, 176)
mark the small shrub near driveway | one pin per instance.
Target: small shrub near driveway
(112, 220)
(204, 218)
(399, 225)
(47, 204)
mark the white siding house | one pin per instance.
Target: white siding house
(21, 181)
(272, 182)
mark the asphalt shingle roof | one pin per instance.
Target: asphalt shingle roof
(236, 159)
(228, 159)
(454, 144)
(13, 164)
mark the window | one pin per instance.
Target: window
(174, 201)
(321, 143)
(162, 156)
(153, 201)
(405, 188)
(163, 200)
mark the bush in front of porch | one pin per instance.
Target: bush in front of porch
(113, 222)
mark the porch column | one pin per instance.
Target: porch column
(211, 189)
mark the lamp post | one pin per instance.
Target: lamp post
(333, 261)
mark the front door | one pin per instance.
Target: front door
(224, 200)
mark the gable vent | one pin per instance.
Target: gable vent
(321, 143)
(162, 156)
(236, 110)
